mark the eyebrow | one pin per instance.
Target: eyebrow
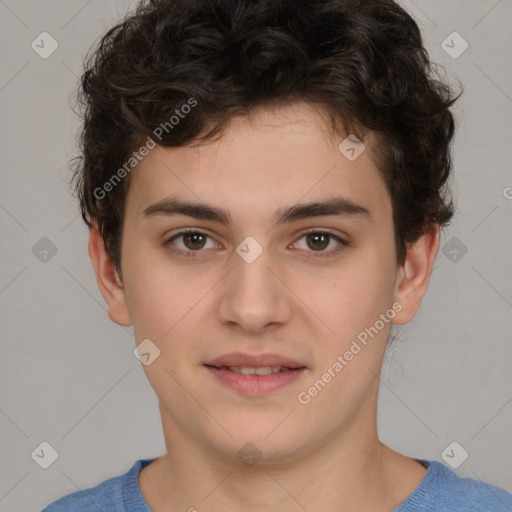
(338, 206)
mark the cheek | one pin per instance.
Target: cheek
(355, 297)
(157, 304)
(171, 307)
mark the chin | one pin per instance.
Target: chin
(263, 442)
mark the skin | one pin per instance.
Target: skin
(289, 301)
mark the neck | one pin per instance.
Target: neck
(352, 467)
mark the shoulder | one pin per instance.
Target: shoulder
(112, 494)
(442, 490)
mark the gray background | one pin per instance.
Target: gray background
(67, 373)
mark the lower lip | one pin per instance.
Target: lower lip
(256, 385)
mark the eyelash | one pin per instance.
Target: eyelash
(320, 254)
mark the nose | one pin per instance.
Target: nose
(253, 296)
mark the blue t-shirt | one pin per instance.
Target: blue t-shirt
(440, 490)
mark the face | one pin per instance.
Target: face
(266, 249)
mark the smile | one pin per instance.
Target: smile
(255, 381)
(250, 370)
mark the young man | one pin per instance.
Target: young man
(264, 183)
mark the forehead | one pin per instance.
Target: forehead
(261, 163)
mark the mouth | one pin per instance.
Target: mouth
(255, 370)
(255, 375)
(240, 360)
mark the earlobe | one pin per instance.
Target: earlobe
(414, 276)
(109, 283)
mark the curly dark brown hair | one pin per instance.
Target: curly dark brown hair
(362, 61)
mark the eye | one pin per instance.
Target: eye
(319, 241)
(190, 241)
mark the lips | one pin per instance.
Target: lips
(240, 360)
(255, 375)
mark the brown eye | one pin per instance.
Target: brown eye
(323, 243)
(190, 243)
(194, 241)
(318, 241)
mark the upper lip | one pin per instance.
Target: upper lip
(253, 361)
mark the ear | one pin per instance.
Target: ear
(413, 276)
(109, 283)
